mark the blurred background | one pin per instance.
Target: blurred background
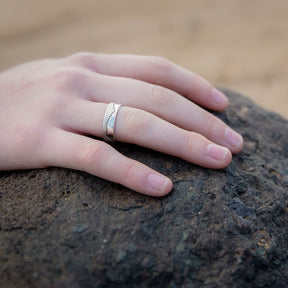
(238, 44)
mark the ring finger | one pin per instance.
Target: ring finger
(145, 129)
(166, 104)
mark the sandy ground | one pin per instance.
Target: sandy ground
(239, 44)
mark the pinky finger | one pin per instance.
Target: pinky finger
(78, 152)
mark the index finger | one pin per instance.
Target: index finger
(156, 70)
(70, 150)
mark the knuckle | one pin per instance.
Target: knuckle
(189, 141)
(81, 57)
(160, 63)
(137, 121)
(32, 139)
(67, 76)
(130, 171)
(65, 81)
(211, 124)
(90, 153)
(160, 95)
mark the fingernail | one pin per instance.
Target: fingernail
(234, 139)
(217, 152)
(219, 97)
(157, 182)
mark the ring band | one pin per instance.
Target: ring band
(109, 122)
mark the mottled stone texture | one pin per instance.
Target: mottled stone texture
(227, 228)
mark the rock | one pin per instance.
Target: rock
(226, 228)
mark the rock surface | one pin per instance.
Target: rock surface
(227, 228)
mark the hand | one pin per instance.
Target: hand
(48, 107)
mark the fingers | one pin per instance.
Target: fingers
(164, 103)
(145, 129)
(78, 152)
(142, 128)
(158, 71)
(154, 115)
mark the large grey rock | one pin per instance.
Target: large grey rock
(227, 228)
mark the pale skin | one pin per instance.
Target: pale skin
(49, 108)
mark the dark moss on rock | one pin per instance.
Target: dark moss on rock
(226, 228)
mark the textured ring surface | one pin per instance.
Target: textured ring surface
(109, 122)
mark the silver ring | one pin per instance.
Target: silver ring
(109, 122)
